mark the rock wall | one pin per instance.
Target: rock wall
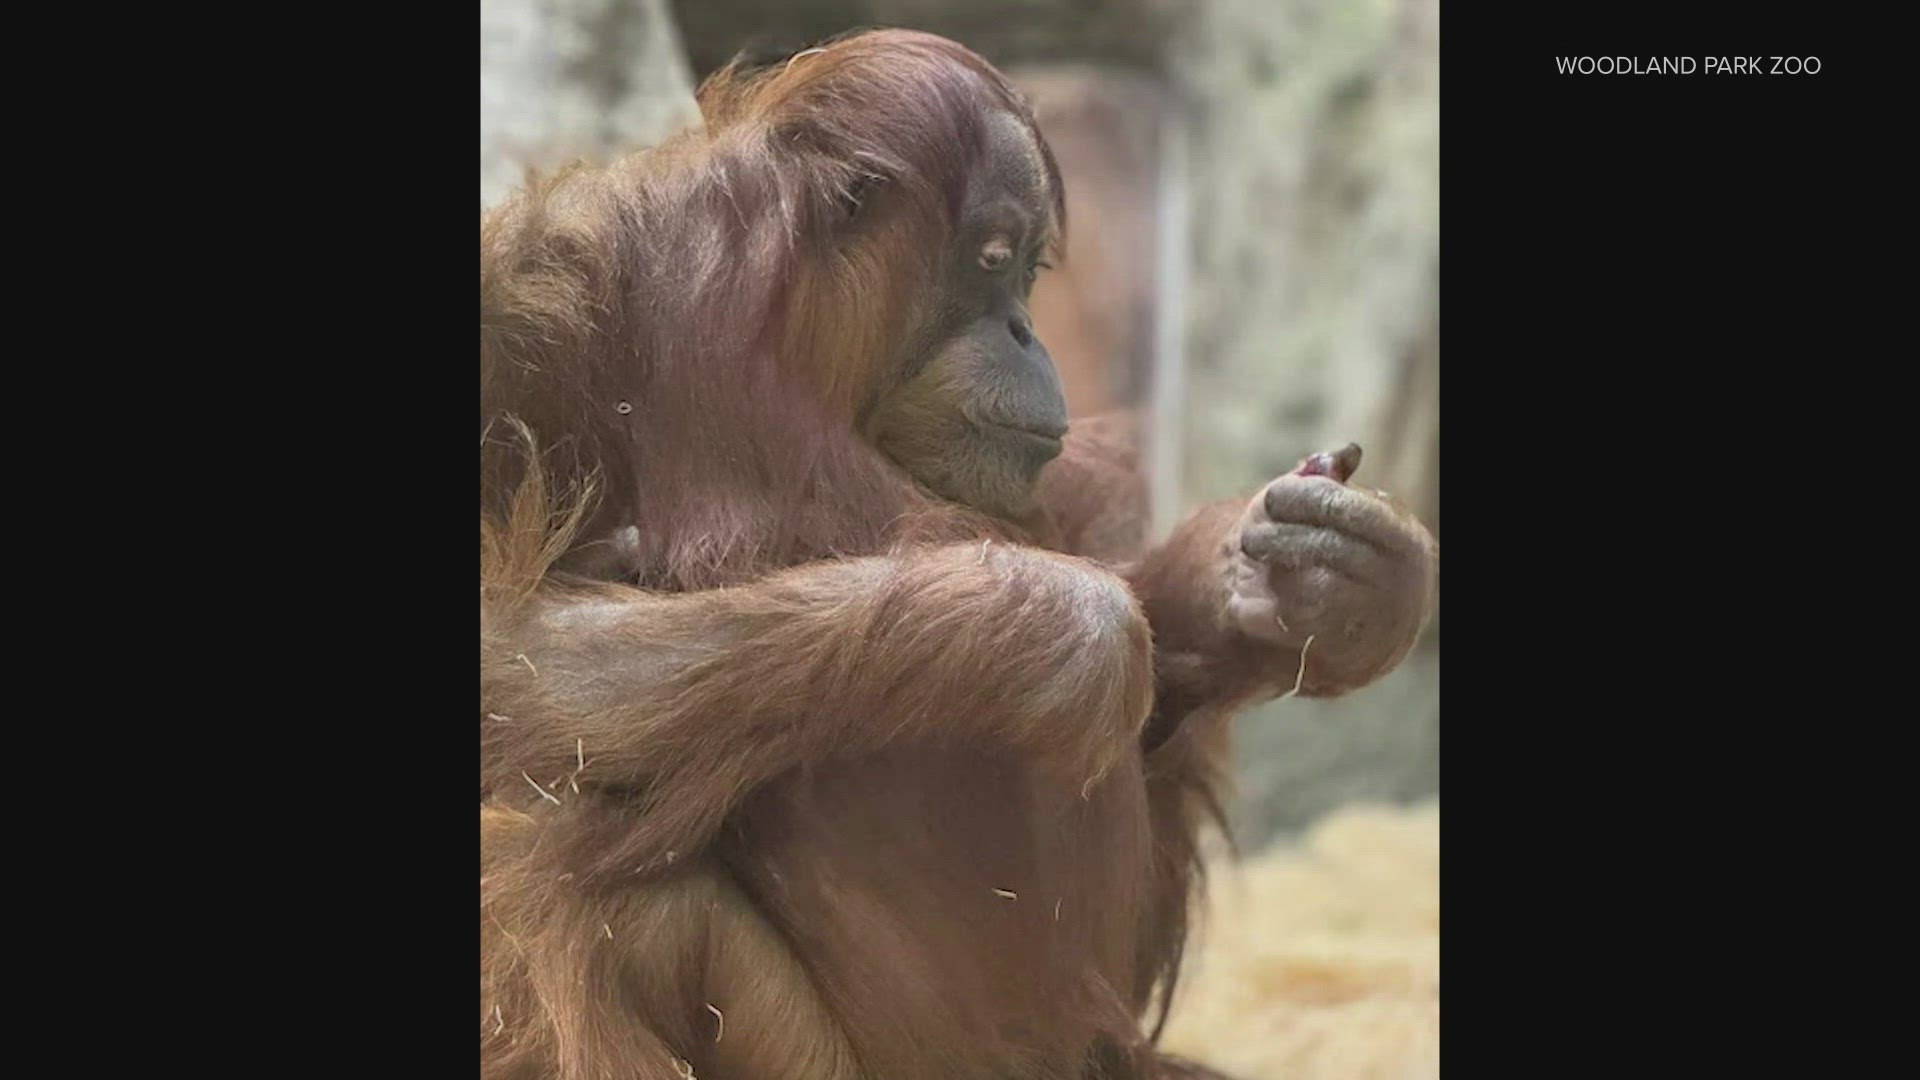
(1312, 318)
(565, 79)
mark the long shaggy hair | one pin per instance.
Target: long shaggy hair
(702, 328)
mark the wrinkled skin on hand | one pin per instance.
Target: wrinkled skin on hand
(1340, 571)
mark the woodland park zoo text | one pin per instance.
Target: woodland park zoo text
(1687, 65)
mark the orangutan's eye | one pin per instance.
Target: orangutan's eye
(995, 254)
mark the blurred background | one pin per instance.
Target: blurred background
(1253, 267)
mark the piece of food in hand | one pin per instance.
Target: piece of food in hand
(1336, 464)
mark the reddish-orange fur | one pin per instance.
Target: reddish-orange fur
(840, 781)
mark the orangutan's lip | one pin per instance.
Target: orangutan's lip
(1051, 434)
(1037, 447)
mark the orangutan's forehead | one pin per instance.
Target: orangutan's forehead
(1013, 174)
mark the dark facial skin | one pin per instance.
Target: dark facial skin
(984, 411)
